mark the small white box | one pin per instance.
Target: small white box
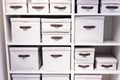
(25, 30)
(55, 77)
(84, 54)
(106, 63)
(83, 65)
(89, 29)
(38, 1)
(24, 58)
(16, 8)
(56, 58)
(56, 25)
(25, 77)
(56, 38)
(38, 8)
(16, 1)
(60, 8)
(88, 77)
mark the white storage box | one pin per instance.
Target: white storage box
(16, 1)
(26, 77)
(38, 1)
(60, 8)
(88, 77)
(56, 38)
(89, 29)
(106, 63)
(110, 7)
(16, 8)
(60, 1)
(84, 54)
(83, 65)
(25, 30)
(56, 58)
(24, 58)
(87, 6)
(38, 8)
(55, 77)
(56, 25)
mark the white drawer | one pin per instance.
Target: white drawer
(25, 77)
(89, 29)
(90, 8)
(55, 77)
(38, 8)
(56, 25)
(16, 8)
(38, 1)
(110, 8)
(84, 54)
(25, 30)
(56, 58)
(24, 58)
(82, 65)
(16, 1)
(60, 8)
(56, 37)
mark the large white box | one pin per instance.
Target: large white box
(106, 63)
(84, 54)
(83, 66)
(24, 58)
(25, 77)
(16, 8)
(56, 25)
(38, 8)
(89, 29)
(55, 77)
(56, 38)
(25, 30)
(88, 77)
(56, 58)
(60, 8)
(15, 1)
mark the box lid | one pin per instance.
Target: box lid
(84, 62)
(58, 20)
(87, 1)
(111, 1)
(105, 59)
(90, 17)
(25, 19)
(55, 33)
(55, 75)
(26, 76)
(85, 49)
(88, 76)
(56, 48)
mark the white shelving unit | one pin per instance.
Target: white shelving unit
(111, 43)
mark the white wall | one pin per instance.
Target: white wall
(3, 75)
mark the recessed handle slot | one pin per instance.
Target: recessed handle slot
(15, 7)
(84, 55)
(87, 7)
(56, 25)
(56, 55)
(57, 38)
(107, 66)
(23, 56)
(25, 28)
(112, 7)
(58, 7)
(38, 7)
(83, 66)
(89, 27)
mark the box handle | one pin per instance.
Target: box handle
(107, 66)
(38, 7)
(25, 28)
(83, 66)
(112, 7)
(57, 38)
(56, 25)
(89, 27)
(84, 55)
(23, 56)
(57, 7)
(15, 7)
(56, 55)
(87, 7)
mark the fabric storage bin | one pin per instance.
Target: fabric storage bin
(106, 63)
(24, 58)
(60, 8)
(55, 77)
(16, 1)
(16, 8)
(56, 38)
(89, 29)
(56, 25)
(84, 54)
(25, 77)
(38, 1)
(110, 6)
(88, 77)
(25, 30)
(83, 65)
(56, 58)
(87, 6)
(38, 8)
